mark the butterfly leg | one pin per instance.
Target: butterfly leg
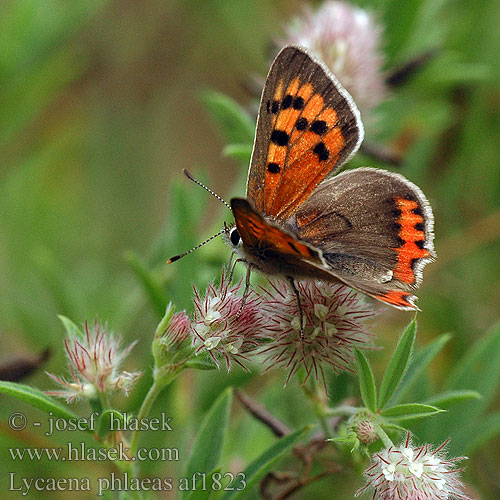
(299, 303)
(247, 288)
(232, 265)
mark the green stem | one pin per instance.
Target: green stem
(343, 410)
(383, 436)
(318, 398)
(150, 398)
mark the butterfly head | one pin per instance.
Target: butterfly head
(232, 236)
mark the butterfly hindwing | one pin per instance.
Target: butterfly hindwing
(308, 125)
(375, 230)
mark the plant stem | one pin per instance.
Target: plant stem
(343, 410)
(383, 436)
(150, 398)
(318, 398)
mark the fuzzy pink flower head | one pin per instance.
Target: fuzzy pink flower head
(366, 432)
(172, 346)
(178, 330)
(219, 331)
(414, 473)
(347, 39)
(333, 316)
(94, 363)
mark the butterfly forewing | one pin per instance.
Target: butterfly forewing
(308, 126)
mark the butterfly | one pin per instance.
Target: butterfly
(367, 228)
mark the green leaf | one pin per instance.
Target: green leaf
(149, 282)
(210, 438)
(200, 494)
(400, 20)
(419, 365)
(483, 431)
(36, 398)
(104, 426)
(410, 411)
(234, 122)
(366, 382)
(262, 464)
(239, 152)
(70, 327)
(398, 364)
(450, 398)
(479, 369)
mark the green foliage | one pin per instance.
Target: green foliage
(410, 411)
(37, 398)
(104, 424)
(235, 124)
(70, 328)
(260, 466)
(471, 388)
(366, 382)
(209, 440)
(398, 364)
(418, 366)
(100, 114)
(149, 281)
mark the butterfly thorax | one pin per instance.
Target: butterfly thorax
(298, 260)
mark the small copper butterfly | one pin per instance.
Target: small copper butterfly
(367, 228)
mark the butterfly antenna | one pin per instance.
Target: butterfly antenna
(196, 181)
(177, 257)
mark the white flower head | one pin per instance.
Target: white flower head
(347, 39)
(413, 473)
(221, 329)
(333, 325)
(94, 363)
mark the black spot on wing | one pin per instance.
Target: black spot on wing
(321, 150)
(287, 101)
(298, 103)
(318, 127)
(301, 124)
(274, 168)
(280, 137)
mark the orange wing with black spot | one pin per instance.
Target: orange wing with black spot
(308, 126)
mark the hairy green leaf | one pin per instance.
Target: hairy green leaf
(418, 366)
(398, 364)
(410, 411)
(234, 122)
(450, 398)
(36, 398)
(262, 464)
(366, 382)
(208, 443)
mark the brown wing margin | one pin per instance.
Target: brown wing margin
(308, 125)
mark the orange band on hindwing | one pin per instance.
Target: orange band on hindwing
(397, 298)
(412, 236)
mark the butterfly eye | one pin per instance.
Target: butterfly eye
(235, 237)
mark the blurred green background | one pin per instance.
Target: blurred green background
(101, 108)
